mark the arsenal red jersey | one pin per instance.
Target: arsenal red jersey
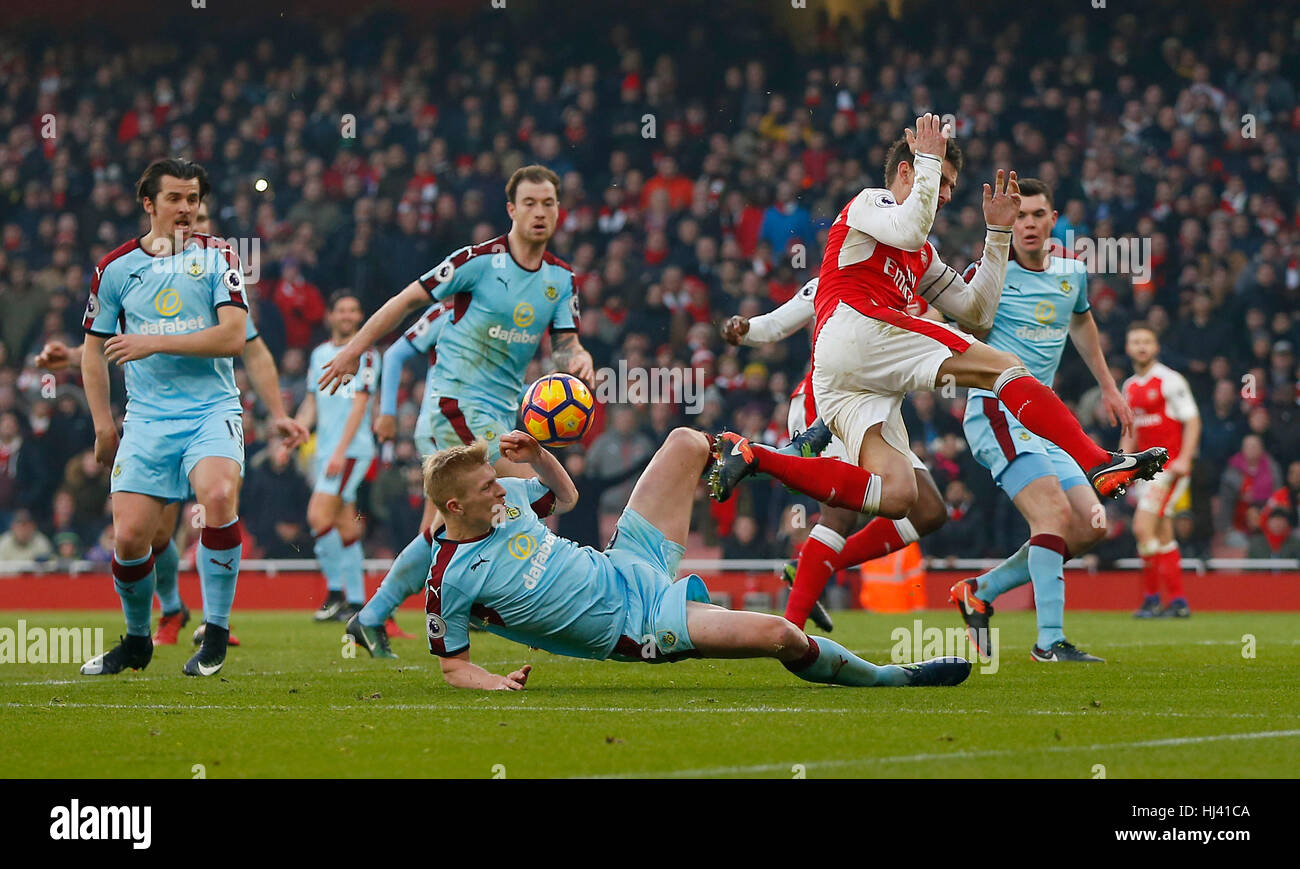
(1161, 402)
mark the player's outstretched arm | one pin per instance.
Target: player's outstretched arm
(224, 339)
(1083, 334)
(94, 376)
(973, 301)
(518, 446)
(775, 325)
(381, 322)
(460, 672)
(260, 365)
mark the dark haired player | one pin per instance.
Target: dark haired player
(170, 308)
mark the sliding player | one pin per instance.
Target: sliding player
(505, 293)
(178, 301)
(868, 351)
(494, 561)
(345, 449)
(832, 543)
(1166, 416)
(1044, 299)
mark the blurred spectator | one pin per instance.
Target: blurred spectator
(275, 503)
(24, 541)
(1251, 478)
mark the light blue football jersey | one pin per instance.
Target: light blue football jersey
(1033, 316)
(524, 583)
(500, 311)
(332, 410)
(134, 292)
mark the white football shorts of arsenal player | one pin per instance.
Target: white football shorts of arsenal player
(1162, 402)
(781, 323)
(868, 349)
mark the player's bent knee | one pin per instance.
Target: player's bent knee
(897, 499)
(688, 439)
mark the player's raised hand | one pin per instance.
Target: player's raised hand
(931, 137)
(106, 446)
(519, 446)
(516, 680)
(292, 432)
(734, 329)
(54, 356)
(385, 427)
(340, 370)
(122, 349)
(1002, 201)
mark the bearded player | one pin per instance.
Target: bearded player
(1167, 417)
(868, 352)
(505, 294)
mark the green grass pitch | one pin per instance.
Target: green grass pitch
(1176, 699)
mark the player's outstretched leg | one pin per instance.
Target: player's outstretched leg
(720, 633)
(1042, 412)
(826, 480)
(735, 458)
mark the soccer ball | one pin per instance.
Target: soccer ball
(558, 410)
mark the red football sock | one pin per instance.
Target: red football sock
(816, 564)
(1172, 570)
(1040, 411)
(1150, 574)
(879, 537)
(826, 481)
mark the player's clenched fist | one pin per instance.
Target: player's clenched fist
(518, 446)
(1002, 202)
(931, 137)
(734, 329)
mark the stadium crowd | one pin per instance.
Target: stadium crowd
(700, 170)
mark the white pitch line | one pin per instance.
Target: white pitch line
(637, 710)
(957, 755)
